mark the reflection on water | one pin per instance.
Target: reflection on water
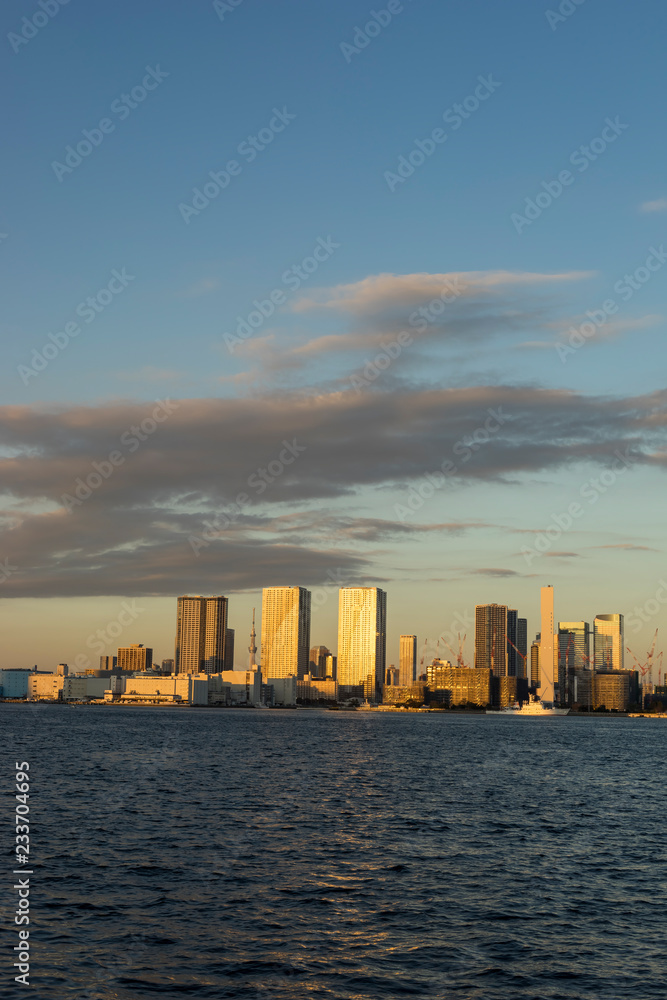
(343, 855)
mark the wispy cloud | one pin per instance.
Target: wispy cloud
(202, 287)
(659, 205)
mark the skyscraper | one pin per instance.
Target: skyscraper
(362, 640)
(608, 642)
(512, 643)
(491, 638)
(285, 631)
(229, 649)
(547, 646)
(522, 644)
(318, 661)
(407, 660)
(573, 655)
(201, 635)
(535, 662)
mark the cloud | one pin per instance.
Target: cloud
(150, 374)
(563, 555)
(609, 330)
(493, 571)
(659, 205)
(278, 472)
(203, 287)
(629, 547)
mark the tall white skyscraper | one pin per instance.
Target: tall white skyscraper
(285, 631)
(608, 642)
(201, 635)
(362, 640)
(548, 645)
(407, 660)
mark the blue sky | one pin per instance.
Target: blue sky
(322, 177)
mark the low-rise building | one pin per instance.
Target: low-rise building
(467, 685)
(403, 694)
(14, 683)
(284, 690)
(184, 689)
(611, 690)
(311, 688)
(245, 686)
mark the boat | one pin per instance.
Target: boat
(532, 708)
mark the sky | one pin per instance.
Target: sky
(330, 294)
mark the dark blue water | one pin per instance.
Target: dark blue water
(313, 854)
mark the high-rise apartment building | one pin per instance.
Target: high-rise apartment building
(573, 656)
(229, 649)
(522, 644)
(201, 634)
(362, 640)
(407, 660)
(318, 661)
(512, 642)
(135, 658)
(608, 642)
(535, 662)
(491, 638)
(108, 662)
(285, 631)
(548, 645)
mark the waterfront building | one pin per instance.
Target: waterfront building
(573, 656)
(491, 638)
(311, 688)
(245, 686)
(548, 646)
(201, 633)
(611, 690)
(135, 657)
(608, 642)
(471, 685)
(362, 641)
(183, 689)
(407, 659)
(404, 694)
(285, 631)
(14, 682)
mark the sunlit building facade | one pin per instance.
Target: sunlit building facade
(201, 635)
(491, 638)
(285, 631)
(548, 643)
(362, 641)
(134, 658)
(608, 642)
(407, 660)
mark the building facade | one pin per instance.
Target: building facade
(285, 631)
(407, 659)
(491, 638)
(466, 685)
(318, 661)
(362, 641)
(134, 658)
(573, 656)
(608, 642)
(548, 645)
(201, 634)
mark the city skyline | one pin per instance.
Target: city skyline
(403, 384)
